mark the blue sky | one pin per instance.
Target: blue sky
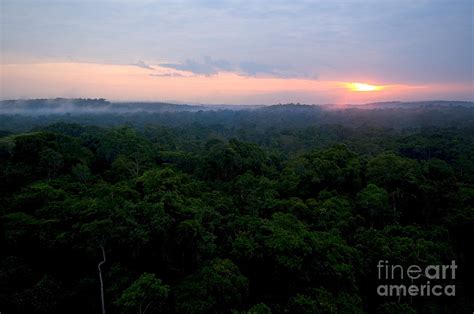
(390, 42)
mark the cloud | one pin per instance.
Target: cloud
(174, 74)
(253, 68)
(143, 65)
(209, 66)
(361, 38)
(280, 71)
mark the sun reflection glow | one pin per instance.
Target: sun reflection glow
(363, 87)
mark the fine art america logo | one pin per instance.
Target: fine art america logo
(424, 281)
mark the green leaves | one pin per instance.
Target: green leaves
(213, 226)
(373, 204)
(321, 301)
(226, 161)
(147, 294)
(392, 172)
(216, 287)
(288, 240)
(333, 168)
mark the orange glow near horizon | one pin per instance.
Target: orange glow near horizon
(128, 82)
(363, 87)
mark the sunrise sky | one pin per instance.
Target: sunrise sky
(238, 52)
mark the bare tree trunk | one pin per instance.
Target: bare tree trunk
(146, 308)
(101, 281)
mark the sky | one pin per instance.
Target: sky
(238, 52)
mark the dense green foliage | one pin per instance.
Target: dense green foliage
(262, 211)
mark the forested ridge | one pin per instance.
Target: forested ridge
(282, 209)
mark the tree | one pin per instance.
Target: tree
(51, 161)
(147, 294)
(373, 202)
(395, 308)
(335, 167)
(400, 177)
(260, 308)
(82, 173)
(43, 297)
(216, 287)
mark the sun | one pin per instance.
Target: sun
(363, 87)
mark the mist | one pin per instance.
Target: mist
(16, 115)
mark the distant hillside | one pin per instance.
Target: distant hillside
(100, 105)
(416, 104)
